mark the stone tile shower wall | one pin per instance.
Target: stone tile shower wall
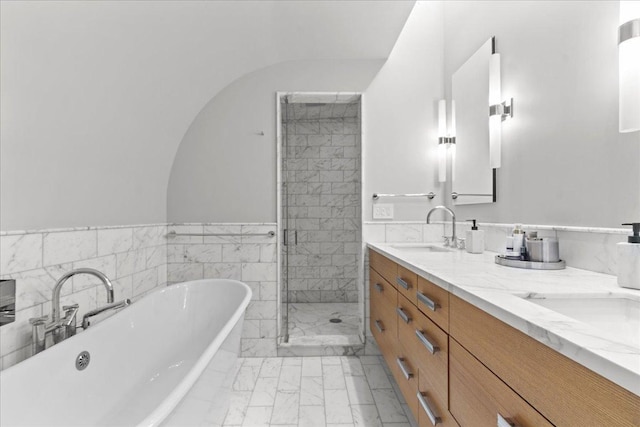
(250, 259)
(133, 258)
(323, 182)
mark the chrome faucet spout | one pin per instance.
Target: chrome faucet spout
(55, 300)
(453, 222)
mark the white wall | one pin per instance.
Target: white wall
(400, 117)
(96, 96)
(224, 170)
(563, 160)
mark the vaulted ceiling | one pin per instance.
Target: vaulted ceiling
(96, 89)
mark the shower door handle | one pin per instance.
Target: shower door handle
(286, 237)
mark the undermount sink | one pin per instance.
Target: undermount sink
(419, 248)
(617, 316)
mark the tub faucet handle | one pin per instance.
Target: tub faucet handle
(38, 334)
(69, 322)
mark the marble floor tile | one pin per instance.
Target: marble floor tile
(312, 416)
(312, 367)
(359, 391)
(258, 416)
(332, 391)
(333, 377)
(337, 407)
(389, 406)
(271, 367)
(264, 393)
(366, 416)
(311, 391)
(239, 402)
(286, 407)
(290, 378)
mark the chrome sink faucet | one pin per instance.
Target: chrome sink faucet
(62, 328)
(453, 242)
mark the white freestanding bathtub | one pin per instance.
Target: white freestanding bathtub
(167, 359)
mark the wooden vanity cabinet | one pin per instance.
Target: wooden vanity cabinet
(382, 314)
(384, 267)
(407, 283)
(565, 392)
(432, 405)
(478, 397)
(482, 367)
(433, 301)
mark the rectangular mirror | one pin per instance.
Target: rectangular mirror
(474, 181)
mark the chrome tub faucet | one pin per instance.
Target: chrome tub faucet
(61, 328)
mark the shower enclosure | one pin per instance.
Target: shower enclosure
(320, 222)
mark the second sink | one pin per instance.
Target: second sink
(617, 316)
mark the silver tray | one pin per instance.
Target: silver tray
(531, 265)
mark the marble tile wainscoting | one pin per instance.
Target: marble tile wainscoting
(132, 257)
(245, 257)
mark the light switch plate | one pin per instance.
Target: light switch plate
(383, 211)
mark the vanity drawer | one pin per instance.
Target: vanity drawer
(407, 283)
(478, 397)
(382, 316)
(432, 406)
(430, 345)
(433, 301)
(564, 391)
(405, 372)
(380, 289)
(384, 266)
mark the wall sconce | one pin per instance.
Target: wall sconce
(498, 111)
(629, 66)
(446, 139)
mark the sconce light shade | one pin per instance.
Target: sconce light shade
(446, 138)
(495, 98)
(629, 66)
(442, 146)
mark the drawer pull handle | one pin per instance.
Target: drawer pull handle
(379, 287)
(427, 301)
(505, 422)
(379, 326)
(402, 283)
(424, 402)
(405, 371)
(403, 315)
(426, 342)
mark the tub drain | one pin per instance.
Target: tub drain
(335, 320)
(82, 361)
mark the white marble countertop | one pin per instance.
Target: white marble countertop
(498, 290)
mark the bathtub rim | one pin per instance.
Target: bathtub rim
(169, 403)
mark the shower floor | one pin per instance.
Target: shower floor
(312, 319)
(312, 334)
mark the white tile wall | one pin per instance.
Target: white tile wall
(250, 259)
(133, 257)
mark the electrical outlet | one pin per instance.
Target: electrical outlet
(383, 211)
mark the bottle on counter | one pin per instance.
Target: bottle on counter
(629, 259)
(474, 241)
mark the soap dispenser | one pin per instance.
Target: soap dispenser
(629, 259)
(474, 241)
